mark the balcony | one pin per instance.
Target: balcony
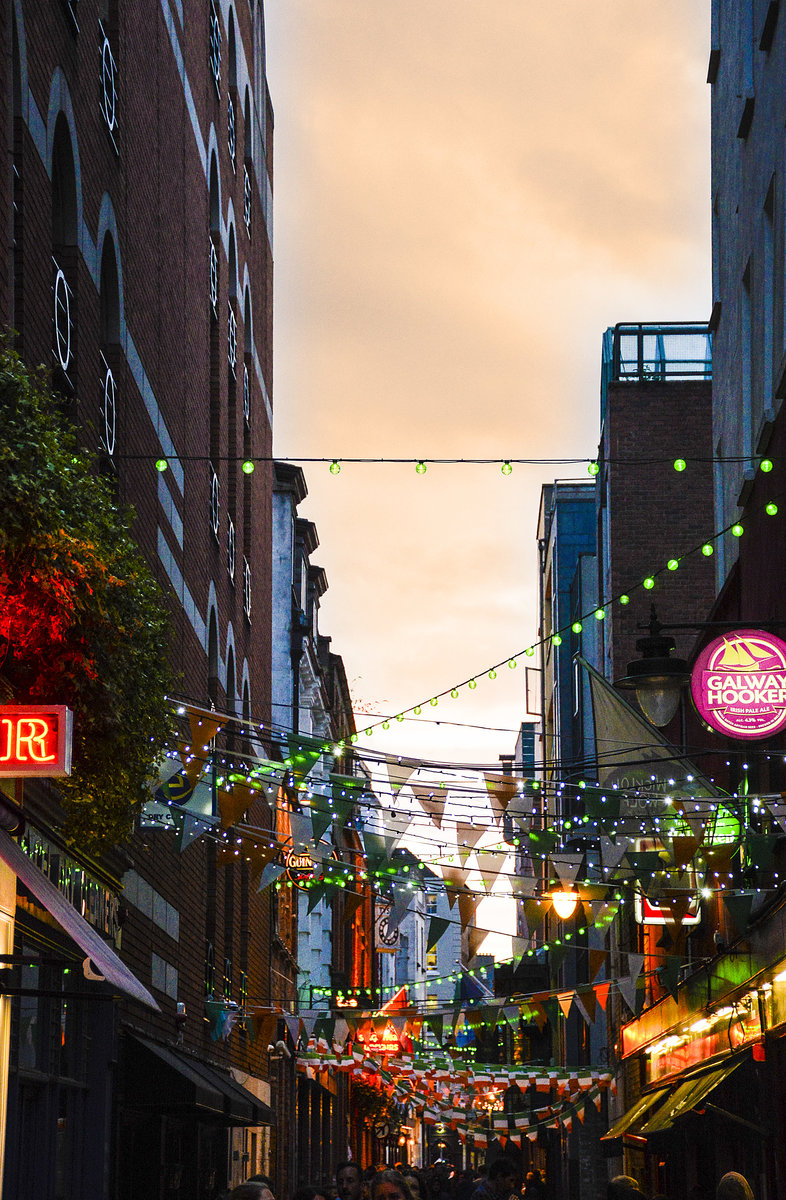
(655, 354)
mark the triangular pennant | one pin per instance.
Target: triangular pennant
(302, 833)
(176, 789)
(501, 790)
(346, 791)
(565, 1001)
(233, 805)
(400, 898)
(627, 986)
(455, 878)
(760, 848)
(352, 902)
(557, 956)
(490, 865)
(303, 753)
(585, 1002)
(635, 963)
(436, 928)
(567, 866)
(683, 849)
(435, 1023)
(669, 973)
(270, 873)
(316, 894)
(467, 903)
(321, 819)
(432, 801)
(597, 959)
(467, 838)
(476, 939)
(611, 854)
(644, 863)
(534, 914)
(602, 992)
(400, 771)
(188, 829)
(738, 906)
(542, 841)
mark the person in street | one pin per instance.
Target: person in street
(734, 1186)
(534, 1188)
(412, 1178)
(500, 1182)
(252, 1189)
(390, 1185)
(349, 1181)
(623, 1187)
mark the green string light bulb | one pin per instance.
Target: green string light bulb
(161, 464)
(335, 467)
(576, 626)
(707, 549)
(473, 683)
(673, 563)
(512, 664)
(420, 467)
(737, 530)
(593, 468)
(454, 694)
(765, 465)
(507, 467)
(624, 599)
(600, 614)
(771, 509)
(557, 640)
(679, 464)
(649, 583)
(492, 674)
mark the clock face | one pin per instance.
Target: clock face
(387, 938)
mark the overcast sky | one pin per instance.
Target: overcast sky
(466, 195)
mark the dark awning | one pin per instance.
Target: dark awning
(190, 1082)
(631, 1120)
(98, 951)
(686, 1096)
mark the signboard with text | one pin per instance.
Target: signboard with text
(35, 739)
(739, 684)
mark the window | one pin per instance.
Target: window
(215, 46)
(108, 76)
(213, 278)
(432, 1001)
(431, 959)
(214, 502)
(231, 133)
(247, 589)
(232, 339)
(247, 200)
(64, 256)
(246, 395)
(231, 549)
(108, 408)
(431, 902)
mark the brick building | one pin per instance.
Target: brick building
(137, 206)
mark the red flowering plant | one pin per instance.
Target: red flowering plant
(82, 619)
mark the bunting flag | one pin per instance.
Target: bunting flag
(683, 849)
(346, 791)
(644, 863)
(627, 987)
(597, 959)
(400, 900)
(669, 973)
(760, 848)
(302, 833)
(468, 904)
(187, 829)
(534, 914)
(565, 1001)
(612, 854)
(352, 902)
(436, 928)
(602, 992)
(379, 847)
(432, 800)
(400, 771)
(557, 956)
(542, 841)
(567, 867)
(321, 820)
(635, 964)
(175, 788)
(316, 894)
(435, 1024)
(476, 939)
(501, 790)
(204, 726)
(454, 878)
(738, 906)
(467, 838)
(304, 751)
(233, 805)
(602, 806)
(490, 864)
(270, 873)
(221, 1015)
(585, 1002)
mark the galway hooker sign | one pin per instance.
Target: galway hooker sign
(739, 684)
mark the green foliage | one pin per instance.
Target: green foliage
(82, 619)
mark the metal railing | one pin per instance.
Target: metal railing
(647, 353)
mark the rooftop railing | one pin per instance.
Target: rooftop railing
(644, 353)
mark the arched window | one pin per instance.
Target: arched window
(248, 156)
(232, 98)
(64, 256)
(214, 245)
(109, 321)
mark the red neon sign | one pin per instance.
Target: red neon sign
(35, 739)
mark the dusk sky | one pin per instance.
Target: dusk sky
(466, 196)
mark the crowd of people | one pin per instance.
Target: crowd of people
(500, 1181)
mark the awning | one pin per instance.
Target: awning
(189, 1082)
(686, 1096)
(98, 951)
(636, 1114)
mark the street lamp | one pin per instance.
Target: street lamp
(564, 903)
(656, 677)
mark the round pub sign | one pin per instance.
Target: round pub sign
(739, 684)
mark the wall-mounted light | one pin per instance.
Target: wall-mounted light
(564, 903)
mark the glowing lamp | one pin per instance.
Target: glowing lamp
(564, 904)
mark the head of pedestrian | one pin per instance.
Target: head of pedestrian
(348, 1181)
(734, 1186)
(623, 1187)
(413, 1180)
(502, 1176)
(390, 1185)
(253, 1189)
